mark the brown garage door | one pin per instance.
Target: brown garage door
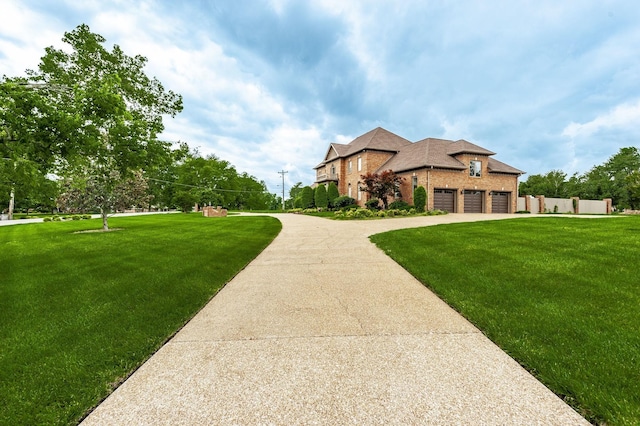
(443, 199)
(473, 201)
(500, 202)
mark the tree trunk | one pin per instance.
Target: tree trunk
(12, 198)
(105, 219)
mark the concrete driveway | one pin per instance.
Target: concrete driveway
(323, 328)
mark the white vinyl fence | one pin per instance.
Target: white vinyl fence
(541, 204)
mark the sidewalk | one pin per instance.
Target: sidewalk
(323, 328)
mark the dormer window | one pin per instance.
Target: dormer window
(475, 168)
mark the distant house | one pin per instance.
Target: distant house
(459, 177)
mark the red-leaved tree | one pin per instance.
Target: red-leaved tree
(381, 185)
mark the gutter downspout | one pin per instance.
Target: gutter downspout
(428, 186)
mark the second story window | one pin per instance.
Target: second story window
(359, 164)
(349, 166)
(333, 170)
(475, 168)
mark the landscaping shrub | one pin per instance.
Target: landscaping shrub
(320, 197)
(420, 198)
(360, 213)
(399, 205)
(344, 201)
(373, 204)
(306, 198)
(332, 194)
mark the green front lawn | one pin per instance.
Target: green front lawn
(80, 311)
(560, 295)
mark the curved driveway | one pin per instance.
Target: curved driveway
(323, 328)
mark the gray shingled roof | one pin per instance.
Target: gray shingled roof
(425, 153)
(464, 147)
(377, 139)
(439, 153)
(496, 166)
(430, 152)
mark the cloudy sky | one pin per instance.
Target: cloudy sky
(267, 85)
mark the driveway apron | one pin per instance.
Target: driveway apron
(323, 328)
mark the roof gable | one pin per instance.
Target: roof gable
(464, 147)
(377, 139)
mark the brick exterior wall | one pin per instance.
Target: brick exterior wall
(370, 161)
(459, 181)
(430, 179)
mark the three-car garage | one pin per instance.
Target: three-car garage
(473, 201)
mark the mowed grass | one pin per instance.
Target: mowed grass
(560, 295)
(79, 312)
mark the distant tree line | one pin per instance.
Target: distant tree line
(617, 178)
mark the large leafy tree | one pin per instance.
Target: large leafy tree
(212, 181)
(552, 184)
(610, 180)
(120, 110)
(81, 194)
(381, 185)
(209, 179)
(36, 132)
(250, 193)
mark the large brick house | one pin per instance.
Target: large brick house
(459, 177)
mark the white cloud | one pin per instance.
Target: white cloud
(623, 116)
(24, 34)
(459, 129)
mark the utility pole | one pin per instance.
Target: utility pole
(283, 172)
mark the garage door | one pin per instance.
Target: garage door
(443, 199)
(500, 202)
(473, 201)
